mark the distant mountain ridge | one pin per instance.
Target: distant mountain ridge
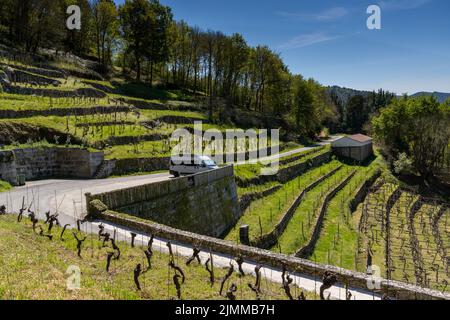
(344, 94)
(440, 96)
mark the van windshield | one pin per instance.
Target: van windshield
(209, 163)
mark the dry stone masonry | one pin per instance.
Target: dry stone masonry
(44, 163)
(205, 203)
(390, 288)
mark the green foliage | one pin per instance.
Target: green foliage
(355, 108)
(106, 28)
(311, 106)
(149, 46)
(4, 186)
(403, 164)
(419, 128)
(265, 213)
(144, 24)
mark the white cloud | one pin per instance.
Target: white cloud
(327, 15)
(307, 40)
(402, 4)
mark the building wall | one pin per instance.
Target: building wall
(359, 153)
(205, 203)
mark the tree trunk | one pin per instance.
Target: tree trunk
(151, 73)
(138, 68)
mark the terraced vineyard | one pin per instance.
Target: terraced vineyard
(406, 236)
(285, 216)
(67, 104)
(302, 224)
(263, 214)
(348, 216)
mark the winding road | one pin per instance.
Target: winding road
(66, 197)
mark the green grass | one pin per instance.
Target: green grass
(4, 186)
(247, 172)
(144, 91)
(22, 102)
(146, 149)
(371, 229)
(295, 236)
(33, 267)
(337, 244)
(257, 188)
(270, 209)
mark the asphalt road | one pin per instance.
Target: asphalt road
(66, 197)
(269, 159)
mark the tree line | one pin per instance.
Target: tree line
(143, 39)
(414, 136)
(355, 111)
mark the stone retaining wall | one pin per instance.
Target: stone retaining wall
(19, 76)
(44, 163)
(62, 112)
(247, 199)
(205, 203)
(354, 279)
(8, 171)
(270, 239)
(363, 190)
(82, 92)
(286, 174)
(308, 249)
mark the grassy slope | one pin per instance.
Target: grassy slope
(293, 238)
(339, 235)
(250, 171)
(4, 186)
(271, 208)
(32, 267)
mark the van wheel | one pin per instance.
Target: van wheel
(176, 174)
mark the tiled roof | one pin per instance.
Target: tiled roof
(360, 138)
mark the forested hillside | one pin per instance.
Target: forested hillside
(142, 42)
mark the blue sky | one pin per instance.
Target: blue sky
(329, 40)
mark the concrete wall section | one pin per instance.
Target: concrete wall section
(8, 171)
(44, 163)
(206, 203)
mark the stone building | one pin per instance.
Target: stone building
(357, 147)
